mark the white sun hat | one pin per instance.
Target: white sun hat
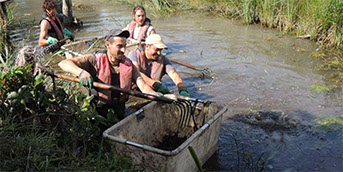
(155, 39)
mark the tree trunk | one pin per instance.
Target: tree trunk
(67, 11)
(64, 7)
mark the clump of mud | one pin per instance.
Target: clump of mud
(278, 141)
(267, 120)
(171, 141)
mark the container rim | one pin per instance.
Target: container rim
(160, 151)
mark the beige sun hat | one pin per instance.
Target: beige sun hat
(155, 39)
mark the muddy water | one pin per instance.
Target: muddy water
(254, 69)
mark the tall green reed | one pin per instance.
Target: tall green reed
(321, 19)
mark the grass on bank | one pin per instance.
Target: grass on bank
(321, 19)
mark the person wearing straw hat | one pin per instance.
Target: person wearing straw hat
(109, 67)
(153, 65)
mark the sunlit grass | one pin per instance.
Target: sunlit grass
(321, 19)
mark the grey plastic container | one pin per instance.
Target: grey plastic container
(137, 135)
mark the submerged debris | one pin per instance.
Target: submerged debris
(268, 120)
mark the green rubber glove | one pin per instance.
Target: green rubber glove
(51, 40)
(159, 87)
(183, 91)
(68, 33)
(86, 79)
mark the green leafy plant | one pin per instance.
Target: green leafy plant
(50, 129)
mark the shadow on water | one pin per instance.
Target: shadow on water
(274, 141)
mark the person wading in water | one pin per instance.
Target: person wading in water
(141, 26)
(51, 28)
(153, 65)
(109, 67)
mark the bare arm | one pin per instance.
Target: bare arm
(44, 26)
(147, 79)
(152, 32)
(126, 28)
(70, 66)
(176, 78)
(144, 87)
